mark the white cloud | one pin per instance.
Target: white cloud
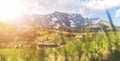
(86, 9)
(117, 13)
(101, 5)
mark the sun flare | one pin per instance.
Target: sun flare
(10, 9)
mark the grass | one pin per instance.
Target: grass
(22, 55)
(98, 49)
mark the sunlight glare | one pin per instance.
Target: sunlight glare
(10, 9)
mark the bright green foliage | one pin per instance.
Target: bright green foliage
(101, 47)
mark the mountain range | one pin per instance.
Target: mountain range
(60, 20)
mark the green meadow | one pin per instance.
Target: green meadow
(91, 47)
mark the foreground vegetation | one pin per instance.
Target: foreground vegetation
(91, 47)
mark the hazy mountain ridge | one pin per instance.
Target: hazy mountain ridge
(60, 20)
(68, 20)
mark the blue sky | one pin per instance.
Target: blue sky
(87, 8)
(112, 11)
